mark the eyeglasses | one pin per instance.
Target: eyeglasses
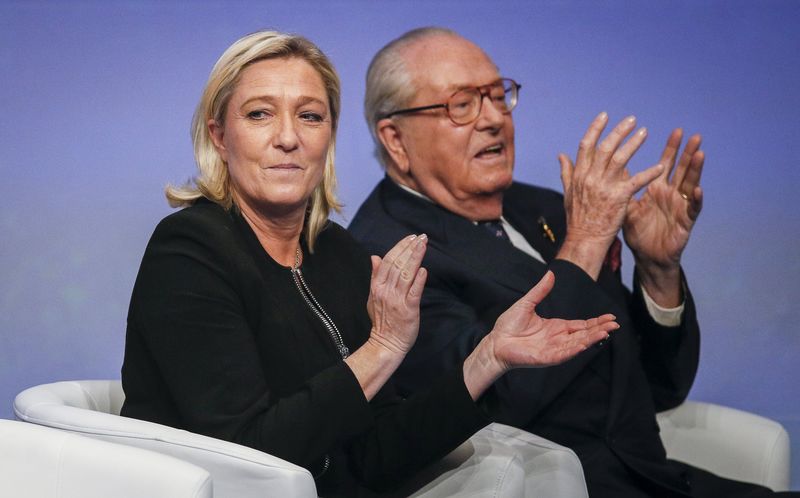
(464, 106)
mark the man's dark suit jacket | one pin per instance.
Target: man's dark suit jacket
(602, 403)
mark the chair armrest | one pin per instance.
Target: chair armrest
(237, 471)
(40, 461)
(729, 442)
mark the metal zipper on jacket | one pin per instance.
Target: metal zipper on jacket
(333, 331)
(312, 302)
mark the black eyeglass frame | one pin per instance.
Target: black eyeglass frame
(482, 90)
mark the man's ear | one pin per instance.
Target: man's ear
(391, 137)
(217, 134)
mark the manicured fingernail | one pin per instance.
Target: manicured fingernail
(642, 131)
(630, 119)
(412, 237)
(423, 237)
(602, 115)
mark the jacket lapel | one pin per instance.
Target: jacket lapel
(533, 230)
(464, 241)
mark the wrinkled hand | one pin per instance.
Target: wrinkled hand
(598, 189)
(395, 292)
(521, 338)
(657, 226)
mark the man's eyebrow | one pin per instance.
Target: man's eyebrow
(457, 87)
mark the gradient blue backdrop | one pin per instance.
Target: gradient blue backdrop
(96, 99)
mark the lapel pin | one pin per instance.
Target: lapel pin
(546, 231)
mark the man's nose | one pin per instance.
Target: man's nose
(491, 116)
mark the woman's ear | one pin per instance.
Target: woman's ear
(217, 134)
(391, 137)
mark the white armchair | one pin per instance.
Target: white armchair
(498, 461)
(728, 442)
(38, 462)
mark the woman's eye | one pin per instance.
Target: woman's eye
(311, 117)
(257, 115)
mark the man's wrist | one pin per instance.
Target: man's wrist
(662, 283)
(666, 317)
(587, 253)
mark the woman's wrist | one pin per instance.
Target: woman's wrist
(482, 368)
(388, 345)
(384, 352)
(372, 364)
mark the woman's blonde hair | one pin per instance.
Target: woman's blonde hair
(213, 181)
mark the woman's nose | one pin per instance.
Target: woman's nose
(286, 137)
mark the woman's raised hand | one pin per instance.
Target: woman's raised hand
(393, 307)
(524, 339)
(395, 292)
(521, 338)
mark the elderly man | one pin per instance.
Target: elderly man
(440, 114)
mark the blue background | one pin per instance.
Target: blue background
(96, 99)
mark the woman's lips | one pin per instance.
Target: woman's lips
(284, 167)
